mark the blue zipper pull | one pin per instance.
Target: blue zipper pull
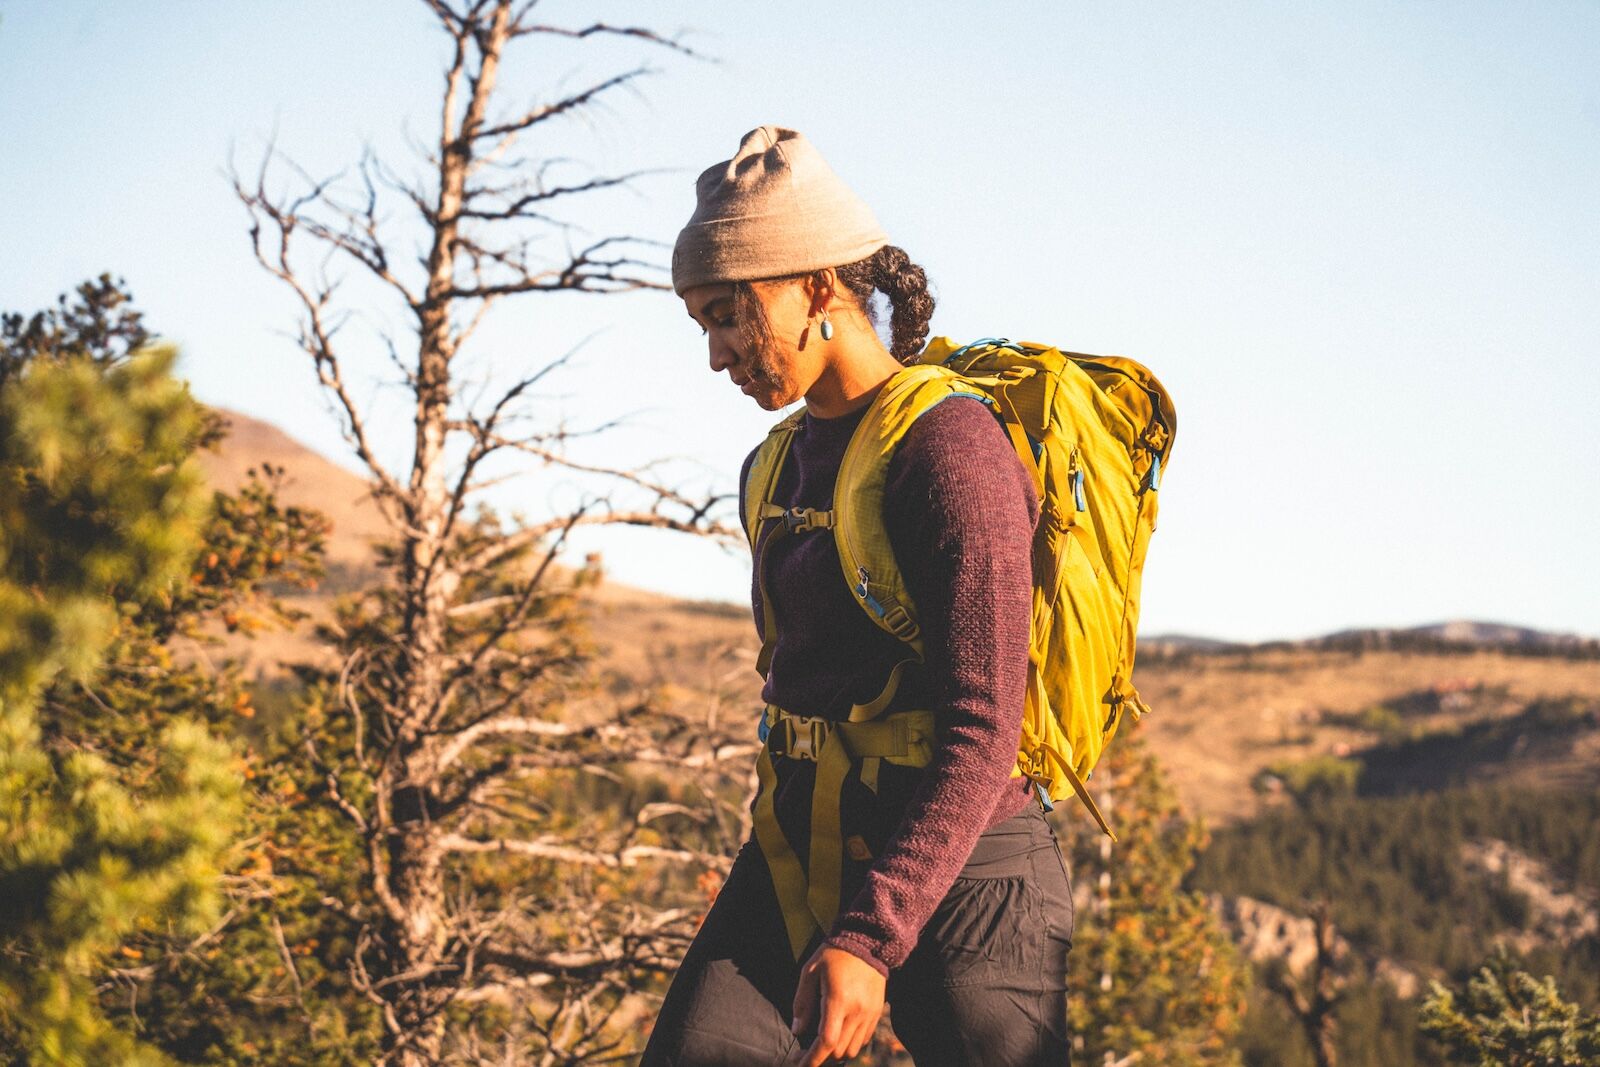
(1155, 470)
(998, 342)
(866, 596)
(1077, 490)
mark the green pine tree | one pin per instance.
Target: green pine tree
(1504, 1017)
(265, 981)
(99, 506)
(1153, 973)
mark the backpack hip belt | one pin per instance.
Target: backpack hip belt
(809, 895)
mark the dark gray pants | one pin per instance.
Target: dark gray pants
(986, 984)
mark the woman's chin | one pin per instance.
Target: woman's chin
(770, 397)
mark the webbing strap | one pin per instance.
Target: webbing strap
(1036, 693)
(870, 764)
(874, 707)
(1082, 790)
(1019, 439)
(788, 879)
(812, 903)
(827, 836)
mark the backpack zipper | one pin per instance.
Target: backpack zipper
(863, 592)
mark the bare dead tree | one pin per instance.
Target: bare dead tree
(1313, 997)
(490, 926)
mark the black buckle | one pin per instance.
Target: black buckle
(803, 520)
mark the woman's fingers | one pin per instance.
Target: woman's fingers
(837, 1043)
(805, 998)
(840, 996)
(839, 1020)
(829, 1044)
(865, 1027)
(823, 1052)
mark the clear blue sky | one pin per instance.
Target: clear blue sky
(1359, 242)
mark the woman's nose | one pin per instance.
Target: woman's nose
(722, 356)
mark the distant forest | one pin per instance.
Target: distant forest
(1391, 870)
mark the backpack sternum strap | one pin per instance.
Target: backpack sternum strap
(795, 520)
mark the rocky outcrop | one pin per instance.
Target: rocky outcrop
(1558, 914)
(1266, 933)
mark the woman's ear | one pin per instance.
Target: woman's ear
(821, 288)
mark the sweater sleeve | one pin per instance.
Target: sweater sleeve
(960, 511)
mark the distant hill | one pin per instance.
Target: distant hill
(1457, 634)
(1462, 632)
(1167, 644)
(309, 481)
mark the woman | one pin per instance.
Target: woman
(954, 903)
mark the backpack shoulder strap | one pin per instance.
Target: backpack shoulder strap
(760, 484)
(865, 555)
(762, 480)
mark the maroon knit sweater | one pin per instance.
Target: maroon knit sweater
(960, 512)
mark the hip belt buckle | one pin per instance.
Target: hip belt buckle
(804, 736)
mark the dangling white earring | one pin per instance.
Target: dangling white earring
(827, 328)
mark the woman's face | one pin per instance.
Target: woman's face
(774, 372)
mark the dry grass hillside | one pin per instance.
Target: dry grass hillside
(1224, 716)
(306, 480)
(309, 481)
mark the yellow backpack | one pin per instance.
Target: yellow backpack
(1094, 432)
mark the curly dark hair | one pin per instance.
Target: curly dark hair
(891, 272)
(888, 271)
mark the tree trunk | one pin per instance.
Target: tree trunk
(415, 856)
(1107, 802)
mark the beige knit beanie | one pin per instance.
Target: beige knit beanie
(775, 208)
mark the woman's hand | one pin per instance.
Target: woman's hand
(847, 993)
